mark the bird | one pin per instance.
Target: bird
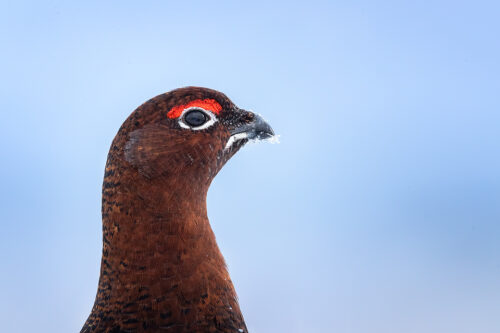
(161, 268)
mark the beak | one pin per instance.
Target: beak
(249, 126)
(257, 128)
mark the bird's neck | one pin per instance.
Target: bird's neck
(161, 266)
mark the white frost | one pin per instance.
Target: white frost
(274, 139)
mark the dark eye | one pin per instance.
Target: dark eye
(195, 118)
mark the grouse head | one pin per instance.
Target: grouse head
(189, 134)
(161, 268)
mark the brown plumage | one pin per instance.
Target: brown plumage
(161, 268)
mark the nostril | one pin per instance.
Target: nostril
(249, 116)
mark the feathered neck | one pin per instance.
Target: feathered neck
(161, 268)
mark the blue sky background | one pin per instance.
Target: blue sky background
(378, 212)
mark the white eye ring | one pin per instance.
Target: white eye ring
(211, 119)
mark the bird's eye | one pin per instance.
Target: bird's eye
(195, 118)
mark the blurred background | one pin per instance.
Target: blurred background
(379, 211)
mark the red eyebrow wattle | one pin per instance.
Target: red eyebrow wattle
(206, 104)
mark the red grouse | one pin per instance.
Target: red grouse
(161, 268)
